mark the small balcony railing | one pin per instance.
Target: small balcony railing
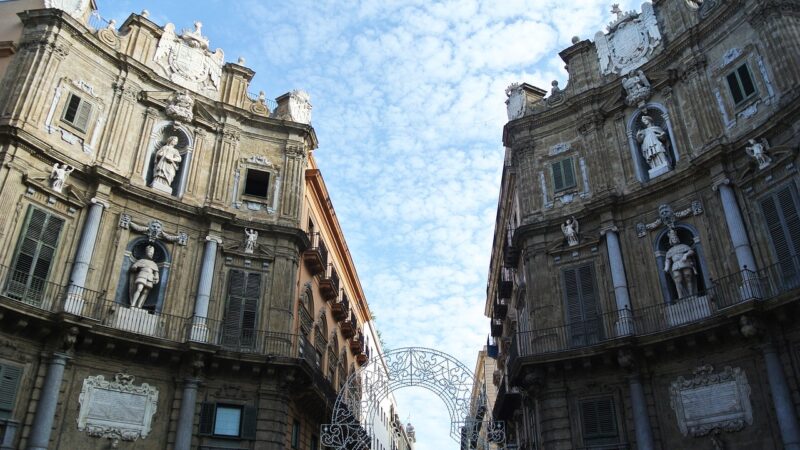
(341, 310)
(357, 345)
(511, 253)
(500, 308)
(315, 256)
(497, 327)
(349, 327)
(505, 283)
(329, 283)
(739, 288)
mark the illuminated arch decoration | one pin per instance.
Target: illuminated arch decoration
(440, 373)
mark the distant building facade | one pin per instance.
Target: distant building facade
(163, 280)
(645, 266)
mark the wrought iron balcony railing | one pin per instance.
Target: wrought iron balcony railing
(329, 283)
(739, 288)
(316, 255)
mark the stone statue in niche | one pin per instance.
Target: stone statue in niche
(637, 88)
(570, 230)
(165, 167)
(757, 151)
(180, 107)
(58, 176)
(250, 240)
(652, 138)
(679, 263)
(144, 275)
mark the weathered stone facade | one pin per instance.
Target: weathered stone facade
(138, 170)
(641, 286)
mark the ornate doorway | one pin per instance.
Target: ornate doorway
(438, 372)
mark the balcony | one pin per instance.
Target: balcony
(316, 256)
(511, 252)
(329, 283)
(349, 327)
(357, 344)
(500, 308)
(497, 327)
(341, 310)
(362, 358)
(733, 294)
(505, 283)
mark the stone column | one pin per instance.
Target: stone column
(200, 327)
(183, 433)
(48, 400)
(736, 229)
(641, 418)
(83, 256)
(781, 398)
(620, 281)
(273, 411)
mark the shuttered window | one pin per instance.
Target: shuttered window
(77, 112)
(34, 256)
(563, 175)
(239, 327)
(740, 83)
(783, 222)
(228, 420)
(599, 422)
(580, 298)
(9, 384)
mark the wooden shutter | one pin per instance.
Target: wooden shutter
(572, 300)
(589, 300)
(35, 255)
(580, 298)
(569, 173)
(83, 115)
(783, 222)
(207, 411)
(249, 416)
(599, 422)
(558, 177)
(9, 385)
(250, 308)
(232, 325)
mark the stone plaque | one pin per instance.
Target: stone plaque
(711, 401)
(116, 409)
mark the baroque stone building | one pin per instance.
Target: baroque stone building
(644, 273)
(172, 272)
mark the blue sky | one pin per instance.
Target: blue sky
(408, 105)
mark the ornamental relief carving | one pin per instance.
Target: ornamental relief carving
(631, 41)
(187, 60)
(116, 409)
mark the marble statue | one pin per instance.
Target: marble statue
(250, 240)
(679, 264)
(757, 151)
(144, 275)
(167, 159)
(652, 138)
(570, 230)
(58, 176)
(180, 107)
(637, 88)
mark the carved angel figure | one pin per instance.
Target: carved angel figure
(679, 263)
(651, 138)
(757, 151)
(144, 275)
(570, 228)
(250, 240)
(637, 88)
(58, 176)
(167, 159)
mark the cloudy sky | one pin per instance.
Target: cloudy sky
(408, 107)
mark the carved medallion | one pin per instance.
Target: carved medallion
(631, 40)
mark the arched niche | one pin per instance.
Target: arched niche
(134, 251)
(688, 235)
(158, 137)
(661, 118)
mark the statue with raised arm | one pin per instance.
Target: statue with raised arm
(652, 138)
(250, 240)
(570, 230)
(166, 163)
(679, 263)
(144, 275)
(58, 176)
(757, 151)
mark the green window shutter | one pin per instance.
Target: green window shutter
(733, 86)
(572, 300)
(589, 300)
(232, 325)
(249, 416)
(783, 223)
(569, 173)
(599, 422)
(581, 298)
(250, 308)
(9, 385)
(82, 117)
(558, 176)
(207, 411)
(34, 256)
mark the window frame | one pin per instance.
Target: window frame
(735, 73)
(18, 372)
(582, 330)
(789, 275)
(267, 189)
(248, 418)
(586, 439)
(74, 123)
(560, 165)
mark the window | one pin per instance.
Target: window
(783, 222)
(77, 112)
(235, 421)
(239, 327)
(296, 434)
(34, 255)
(580, 298)
(256, 183)
(9, 383)
(740, 83)
(599, 422)
(563, 175)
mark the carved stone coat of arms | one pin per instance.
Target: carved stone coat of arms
(187, 60)
(630, 42)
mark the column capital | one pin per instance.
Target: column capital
(720, 182)
(608, 228)
(214, 238)
(99, 201)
